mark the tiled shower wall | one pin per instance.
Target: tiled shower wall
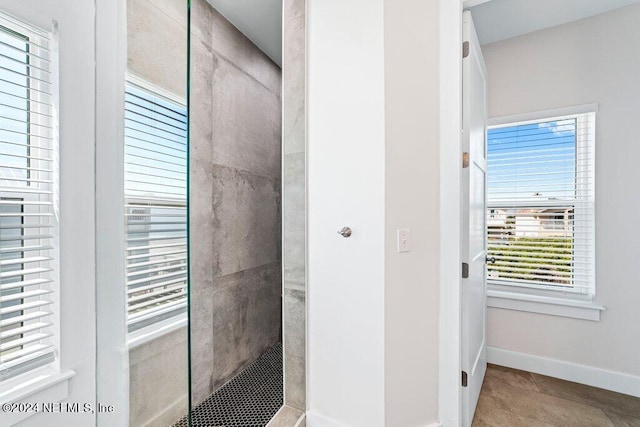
(293, 207)
(235, 175)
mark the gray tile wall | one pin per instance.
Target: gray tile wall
(294, 119)
(158, 380)
(235, 198)
(157, 52)
(156, 42)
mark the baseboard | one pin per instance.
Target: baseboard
(286, 417)
(170, 415)
(596, 377)
(302, 421)
(317, 420)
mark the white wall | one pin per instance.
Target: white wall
(590, 61)
(373, 165)
(412, 190)
(346, 162)
(112, 370)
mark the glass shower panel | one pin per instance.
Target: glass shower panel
(156, 218)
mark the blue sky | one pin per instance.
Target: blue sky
(532, 161)
(13, 129)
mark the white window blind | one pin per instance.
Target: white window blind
(540, 204)
(155, 204)
(28, 200)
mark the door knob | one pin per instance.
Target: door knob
(345, 232)
(491, 260)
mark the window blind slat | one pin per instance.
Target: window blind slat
(148, 315)
(158, 254)
(159, 246)
(24, 272)
(25, 87)
(9, 321)
(157, 277)
(25, 260)
(41, 104)
(176, 122)
(24, 284)
(152, 129)
(141, 97)
(22, 52)
(28, 353)
(158, 176)
(24, 329)
(19, 343)
(152, 297)
(157, 298)
(25, 248)
(173, 265)
(138, 289)
(139, 166)
(23, 307)
(156, 262)
(24, 295)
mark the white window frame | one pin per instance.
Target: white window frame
(579, 304)
(38, 37)
(48, 382)
(152, 331)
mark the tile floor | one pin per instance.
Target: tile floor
(250, 399)
(516, 398)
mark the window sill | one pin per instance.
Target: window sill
(149, 333)
(43, 385)
(545, 304)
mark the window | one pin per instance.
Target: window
(155, 206)
(29, 261)
(540, 204)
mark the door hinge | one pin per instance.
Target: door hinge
(465, 159)
(465, 379)
(465, 49)
(465, 270)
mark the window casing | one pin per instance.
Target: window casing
(29, 252)
(155, 205)
(540, 205)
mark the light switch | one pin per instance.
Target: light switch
(403, 240)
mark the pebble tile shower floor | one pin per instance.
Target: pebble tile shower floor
(250, 399)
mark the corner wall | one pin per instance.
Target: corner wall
(345, 187)
(412, 192)
(373, 165)
(294, 202)
(589, 61)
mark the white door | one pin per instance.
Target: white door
(474, 294)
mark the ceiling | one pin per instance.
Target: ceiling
(497, 20)
(259, 20)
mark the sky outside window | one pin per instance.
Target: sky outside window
(14, 105)
(532, 161)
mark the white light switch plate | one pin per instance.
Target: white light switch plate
(403, 240)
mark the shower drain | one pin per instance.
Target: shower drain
(250, 399)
